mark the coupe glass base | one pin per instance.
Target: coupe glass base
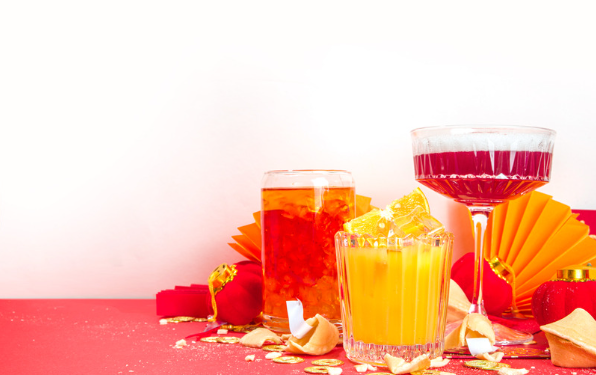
(507, 336)
(503, 334)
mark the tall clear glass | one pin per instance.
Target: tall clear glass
(482, 167)
(301, 210)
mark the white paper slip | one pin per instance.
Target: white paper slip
(479, 345)
(298, 326)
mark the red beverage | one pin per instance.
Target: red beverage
(483, 178)
(299, 225)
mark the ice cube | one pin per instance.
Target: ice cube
(418, 222)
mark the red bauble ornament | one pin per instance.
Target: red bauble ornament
(234, 295)
(497, 293)
(556, 299)
(239, 292)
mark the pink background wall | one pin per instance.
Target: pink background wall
(134, 135)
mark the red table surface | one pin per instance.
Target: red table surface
(106, 336)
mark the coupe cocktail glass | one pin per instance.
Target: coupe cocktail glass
(482, 167)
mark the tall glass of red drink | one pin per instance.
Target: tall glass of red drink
(301, 210)
(482, 167)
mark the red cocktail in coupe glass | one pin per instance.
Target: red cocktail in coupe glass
(482, 167)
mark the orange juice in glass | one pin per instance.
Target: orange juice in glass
(394, 292)
(301, 212)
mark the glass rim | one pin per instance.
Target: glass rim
(482, 128)
(366, 235)
(401, 242)
(307, 171)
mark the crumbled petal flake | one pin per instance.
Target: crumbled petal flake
(439, 362)
(334, 371)
(273, 355)
(361, 368)
(512, 371)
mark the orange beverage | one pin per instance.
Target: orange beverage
(402, 306)
(394, 268)
(298, 253)
(395, 294)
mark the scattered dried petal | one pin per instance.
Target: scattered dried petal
(180, 343)
(249, 358)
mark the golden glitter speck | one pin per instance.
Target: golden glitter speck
(228, 340)
(274, 348)
(182, 319)
(316, 370)
(486, 365)
(288, 359)
(327, 362)
(209, 339)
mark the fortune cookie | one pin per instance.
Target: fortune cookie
(493, 357)
(572, 340)
(321, 339)
(439, 362)
(258, 337)
(459, 305)
(473, 326)
(399, 366)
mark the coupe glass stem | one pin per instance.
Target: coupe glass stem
(479, 219)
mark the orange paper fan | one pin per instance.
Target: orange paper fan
(536, 236)
(248, 243)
